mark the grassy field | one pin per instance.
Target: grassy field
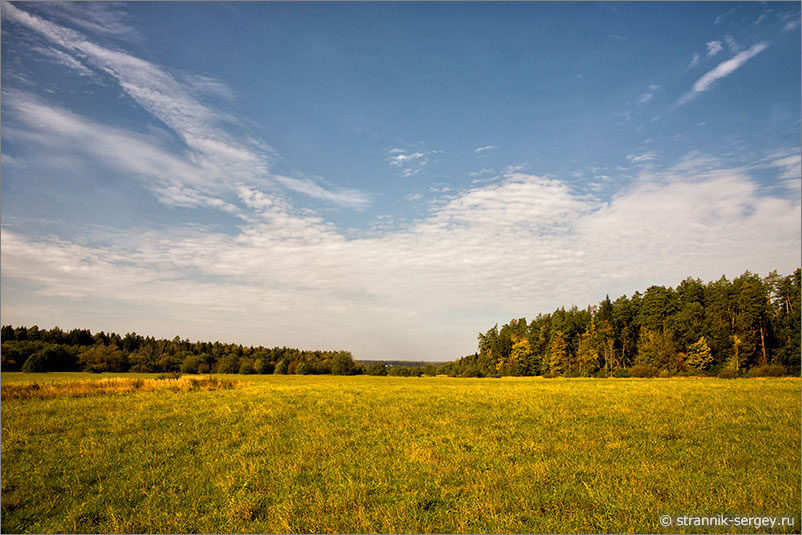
(419, 455)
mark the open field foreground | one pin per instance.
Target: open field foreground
(384, 454)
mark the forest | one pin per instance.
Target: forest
(747, 326)
(38, 350)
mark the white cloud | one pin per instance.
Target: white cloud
(401, 159)
(789, 165)
(713, 48)
(100, 18)
(64, 59)
(213, 161)
(695, 60)
(481, 172)
(732, 44)
(792, 25)
(178, 195)
(647, 96)
(762, 17)
(207, 85)
(723, 69)
(645, 157)
(410, 164)
(521, 246)
(480, 150)
(723, 16)
(343, 197)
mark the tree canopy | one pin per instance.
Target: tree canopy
(37, 350)
(748, 323)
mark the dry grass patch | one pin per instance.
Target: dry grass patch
(36, 390)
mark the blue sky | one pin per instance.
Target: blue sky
(389, 178)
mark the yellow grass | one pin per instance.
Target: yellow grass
(36, 390)
(330, 454)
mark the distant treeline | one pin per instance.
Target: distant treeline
(37, 350)
(31, 349)
(748, 326)
(403, 363)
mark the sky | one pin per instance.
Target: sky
(387, 178)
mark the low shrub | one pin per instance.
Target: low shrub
(471, 371)
(643, 371)
(36, 363)
(767, 370)
(727, 373)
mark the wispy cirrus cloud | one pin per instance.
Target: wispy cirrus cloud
(175, 178)
(480, 150)
(64, 59)
(213, 161)
(732, 44)
(723, 16)
(401, 158)
(642, 158)
(207, 85)
(648, 95)
(713, 48)
(722, 70)
(106, 19)
(343, 197)
(410, 163)
(792, 20)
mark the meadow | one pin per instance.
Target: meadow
(394, 454)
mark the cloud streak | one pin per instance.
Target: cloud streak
(409, 163)
(713, 48)
(102, 18)
(647, 96)
(641, 158)
(722, 70)
(212, 162)
(64, 59)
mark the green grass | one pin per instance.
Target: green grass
(419, 455)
